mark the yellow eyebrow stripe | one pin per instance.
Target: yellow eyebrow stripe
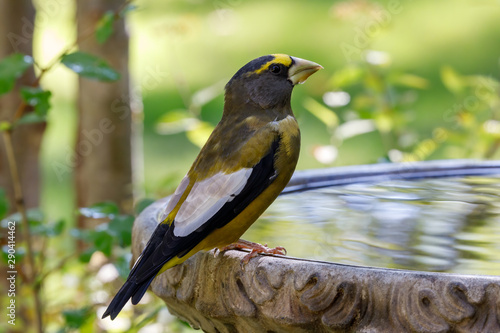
(278, 59)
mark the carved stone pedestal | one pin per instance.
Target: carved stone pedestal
(284, 294)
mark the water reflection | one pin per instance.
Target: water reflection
(445, 225)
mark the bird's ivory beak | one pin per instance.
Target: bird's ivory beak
(301, 70)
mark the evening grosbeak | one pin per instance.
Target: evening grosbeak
(246, 162)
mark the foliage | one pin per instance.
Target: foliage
(118, 231)
(11, 68)
(370, 96)
(37, 98)
(374, 97)
(474, 118)
(45, 248)
(107, 248)
(89, 66)
(189, 118)
(104, 27)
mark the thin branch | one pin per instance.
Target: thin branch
(19, 202)
(20, 110)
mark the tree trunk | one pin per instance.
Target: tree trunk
(16, 35)
(103, 147)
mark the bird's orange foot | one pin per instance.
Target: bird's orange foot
(255, 247)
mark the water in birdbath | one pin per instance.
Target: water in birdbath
(439, 225)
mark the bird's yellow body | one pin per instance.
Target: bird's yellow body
(245, 164)
(286, 161)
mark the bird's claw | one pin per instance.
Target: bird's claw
(256, 249)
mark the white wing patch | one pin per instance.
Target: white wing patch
(206, 198)
(174, 199)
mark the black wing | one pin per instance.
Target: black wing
(165, 245)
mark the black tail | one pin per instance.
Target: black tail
(141, 275)
(127, 291)
(164, 244)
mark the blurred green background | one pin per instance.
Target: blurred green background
(187, 50)
(402, 81)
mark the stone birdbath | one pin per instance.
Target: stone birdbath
(311, 294)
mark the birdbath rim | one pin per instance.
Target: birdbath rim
(287, 294)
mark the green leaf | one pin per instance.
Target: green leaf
(453, 81)
(39, 227)
(200, 133)
(12, 68)
(59, 227)
(86, 255)
(104, 28)
(207, 94)
(100, 210)
(103, 242)
(90, 66)
(31, 118)
(347, 76)
(77, 317)
(34, 215)
(142, 204)
(327, 116)
(37, 98)
(121, 228)
(410, 80)
(4, 203)
(176, 121)
(48, 229)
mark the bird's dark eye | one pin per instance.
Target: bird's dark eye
(275, 69)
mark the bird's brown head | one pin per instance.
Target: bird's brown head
(267, 82)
